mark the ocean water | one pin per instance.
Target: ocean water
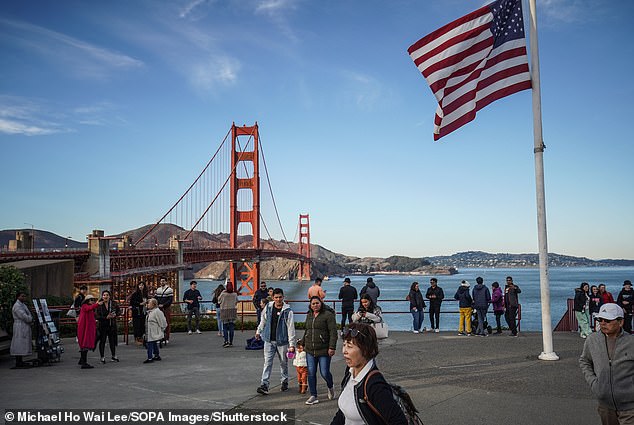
(563, 281)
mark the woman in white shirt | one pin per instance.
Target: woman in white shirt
(360, 348)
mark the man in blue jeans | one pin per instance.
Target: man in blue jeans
(277, 329)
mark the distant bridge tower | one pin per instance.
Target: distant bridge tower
(246, 273)
(304, 247)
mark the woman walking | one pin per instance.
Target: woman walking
(138, 304)
(216, 304)
(320, 342)
(87, 329)
(365, 398)
(228, 301)
(106, 315)
(416, 306)
(582, 310)
(155, 325)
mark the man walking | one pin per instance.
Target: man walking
(347, 295)
(260, 295)
(192, 297)
(608, 367)
(372, 290)
(481, 299)
(435, 295)
(277, 329)
(165, 297)
(511, 304)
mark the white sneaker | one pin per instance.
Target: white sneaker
(437, 330)
(189, 332)
(331, 393)
(312, 400)
(415, 331)
(198, 331)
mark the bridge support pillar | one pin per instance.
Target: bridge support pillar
(99, 260)
(181, 272)
(303, 273)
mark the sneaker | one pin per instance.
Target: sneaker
(436, 330)
(103, 360)
(415, 331)
(114, 359)
(225, 344)
(148, 361)
(331, 393)
(167, 341)
(469, 334)
(198, 331)
(312, 400)
(461, 333)
(157, 358)
(284, 386)
(425, 329)
(264, 390)
(189, 332)
(87, 366)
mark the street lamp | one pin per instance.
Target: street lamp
(32, 236)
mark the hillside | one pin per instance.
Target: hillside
(43, 240)
(475, 259)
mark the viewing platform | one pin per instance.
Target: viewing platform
(452, 379)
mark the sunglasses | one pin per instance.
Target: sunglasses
(602, 320)
(353, 333)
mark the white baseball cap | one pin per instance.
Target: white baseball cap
(610, 311)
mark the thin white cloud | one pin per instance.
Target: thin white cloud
(274, 6)
(193, 10)
(363, 90)
(74, 55)
(15, 127)
(217, 70)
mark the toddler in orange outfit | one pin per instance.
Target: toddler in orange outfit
(302, 368)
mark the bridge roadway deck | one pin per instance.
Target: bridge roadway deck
(452, 379)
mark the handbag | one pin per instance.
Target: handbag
(381, 329)
(71, 311)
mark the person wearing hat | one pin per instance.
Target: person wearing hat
(347, 295)
(465, 302)
(626, 300)
(87, 329)
(372, 290)
(608, 367)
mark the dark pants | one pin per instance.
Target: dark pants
(258, 311)
(138, 324)
(627, 323)
(498, 314)
(482, 317)
(434, 315)
(167, 312)
(107, 333)
(228, 329)
(193, 311)
(346, 313)
(152, 349)
(509, 315)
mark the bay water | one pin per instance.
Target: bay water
(563, 281)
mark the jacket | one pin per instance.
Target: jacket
(228, 306)
(87, 327)
(438, 292)
(380, 394)
(259, 296)
(321, 333)
(369, 318)
(107, 325)
(595, 303)
(347, 295)
(372, 290)
(611, 382)
(416, 300)
(285, 332)
(481, 297)
(607, 297)
(193, 295)
(510, 296)
(155, 325)
(626, 296)
(463, 297)
(21, 344)
(497, 299)
(581, 298)
(135, 303)
(164, 296)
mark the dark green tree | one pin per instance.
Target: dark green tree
(11, 282)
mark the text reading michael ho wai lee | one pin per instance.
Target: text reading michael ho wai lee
(163, 416)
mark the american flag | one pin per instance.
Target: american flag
(474, 61)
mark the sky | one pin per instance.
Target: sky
(109, 110)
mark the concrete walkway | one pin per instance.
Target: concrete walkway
(452, 379)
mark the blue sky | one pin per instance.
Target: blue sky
(109, 110)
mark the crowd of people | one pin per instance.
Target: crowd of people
(589, 299)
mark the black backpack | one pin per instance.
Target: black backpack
(403, 400)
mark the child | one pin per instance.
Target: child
(302, 367)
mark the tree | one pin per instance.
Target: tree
(11, 282)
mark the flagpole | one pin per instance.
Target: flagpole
(547, 332)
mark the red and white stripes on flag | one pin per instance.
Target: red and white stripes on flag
(473, 61)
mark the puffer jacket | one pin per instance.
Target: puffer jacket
(463, 297)
(321, 333)
(611, 381)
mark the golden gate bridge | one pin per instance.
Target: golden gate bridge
(224, 199)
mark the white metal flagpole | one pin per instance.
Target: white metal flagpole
(547, 329)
